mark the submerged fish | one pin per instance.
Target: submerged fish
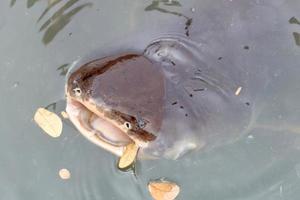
(166, 100)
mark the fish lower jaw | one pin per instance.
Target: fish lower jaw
(97, 130)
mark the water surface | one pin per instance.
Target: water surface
(252, 44)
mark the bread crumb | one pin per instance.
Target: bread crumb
(49, 122)
(238, 91)
(163, 190)
(64, 174)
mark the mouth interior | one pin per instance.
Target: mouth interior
(89, 123)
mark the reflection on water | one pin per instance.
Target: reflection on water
(155, 5)
(296, 35)
(294, 20)
(30, 3)
(63, 69)
(51, 106)
(12, 3)
(297, 38)
(59, 19)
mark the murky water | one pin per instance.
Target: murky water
(254, 150)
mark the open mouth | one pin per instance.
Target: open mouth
(96, 128)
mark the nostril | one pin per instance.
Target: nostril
(77, 91)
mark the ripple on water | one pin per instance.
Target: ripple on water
(207, 111)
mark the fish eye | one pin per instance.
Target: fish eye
(77, 91)
(128, 125)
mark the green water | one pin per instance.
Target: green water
(40, 39)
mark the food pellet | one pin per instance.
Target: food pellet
(64, 174)
(238, 91)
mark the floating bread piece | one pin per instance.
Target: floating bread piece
(49, 122)
(163, 190)
(64, 174)
(128, 157)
